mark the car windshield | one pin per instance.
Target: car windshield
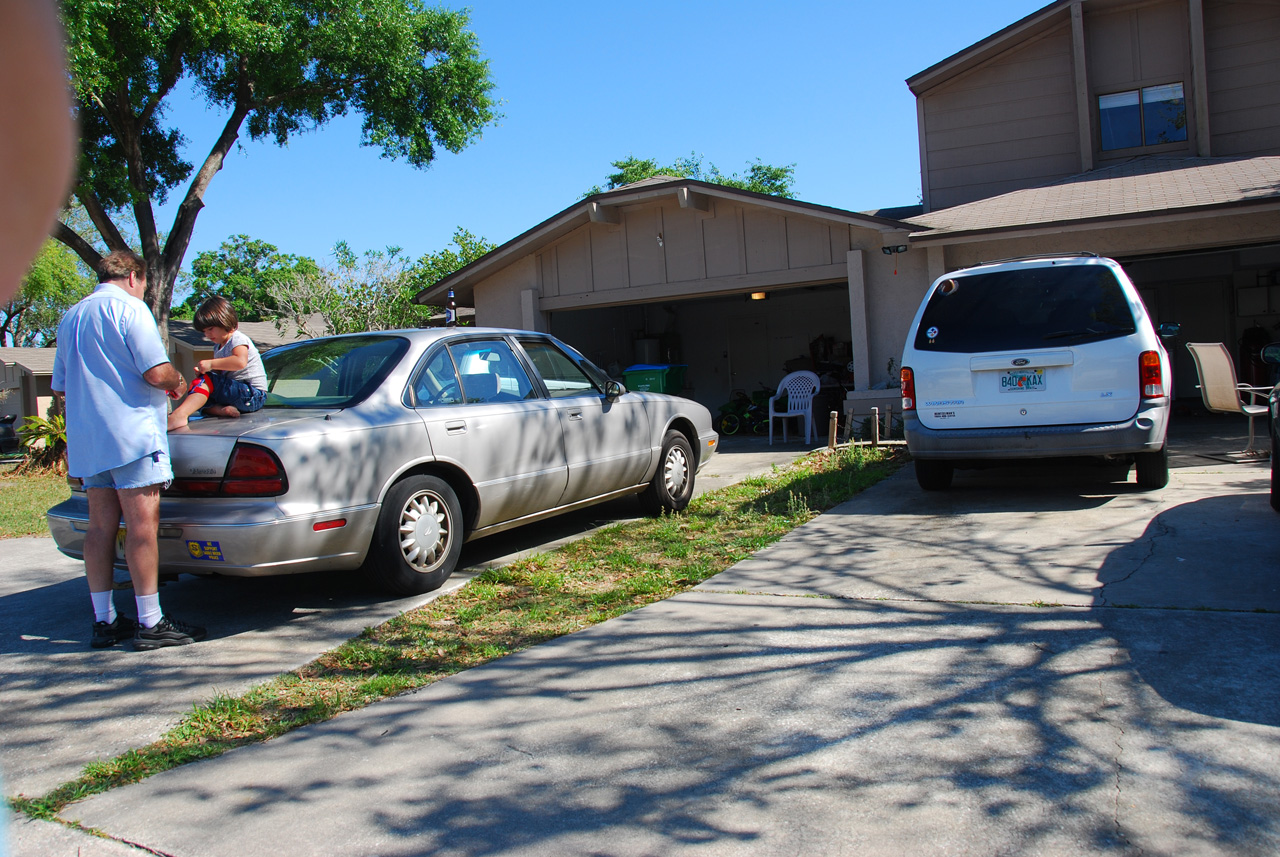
(330, 373)
(1026, 308)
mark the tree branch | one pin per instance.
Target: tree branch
(185, 220)
(101, 220)
(167, 81)
(68, 236)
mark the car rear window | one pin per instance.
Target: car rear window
(1038, 307)
(330, 373)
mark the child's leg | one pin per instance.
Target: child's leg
(196, 398)
(231, 398)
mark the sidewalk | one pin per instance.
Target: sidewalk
(1034, 663)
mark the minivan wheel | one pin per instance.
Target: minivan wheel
(418, 538)
(934, 475)
(1152, 468)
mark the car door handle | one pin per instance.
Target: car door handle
(575, 415)
(455, 427)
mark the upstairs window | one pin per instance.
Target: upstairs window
(1150, 116)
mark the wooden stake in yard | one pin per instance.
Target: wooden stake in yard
(832, 425)
(875, 426)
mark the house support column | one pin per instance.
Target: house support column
(531, 318)
(859, 341)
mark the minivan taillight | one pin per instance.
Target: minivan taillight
(907, 384)
(253, 471)
(1149, 375)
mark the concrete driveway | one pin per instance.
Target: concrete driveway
(1037, 662)
(64, 705)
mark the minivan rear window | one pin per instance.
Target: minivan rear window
(1016, 310)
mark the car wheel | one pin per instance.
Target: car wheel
(1275, 474)
(418, 537)
(1152, 468)
(934, 475)
(672, 486)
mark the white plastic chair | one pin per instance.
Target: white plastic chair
(799, 389)
(1220, 389)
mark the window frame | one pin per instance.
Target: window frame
(1138, 89)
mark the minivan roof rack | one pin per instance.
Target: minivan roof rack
(1069, 255)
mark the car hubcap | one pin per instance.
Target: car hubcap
(424, 530)
(675, 473)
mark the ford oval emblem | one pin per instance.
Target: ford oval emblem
(1021, 361)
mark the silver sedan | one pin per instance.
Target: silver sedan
(386, 451)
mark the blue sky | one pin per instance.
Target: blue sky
(815, 84)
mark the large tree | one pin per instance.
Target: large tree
(275, 67)
(759, 177)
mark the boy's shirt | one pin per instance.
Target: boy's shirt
(253, 373)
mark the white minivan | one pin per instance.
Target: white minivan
(1041, 357)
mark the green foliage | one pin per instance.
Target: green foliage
(274, 67)
(45, 439)
(759, 178)
(57, 280)
(245, 271)
(431, 268)
(373, 291)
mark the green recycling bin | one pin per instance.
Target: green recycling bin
(655, 377)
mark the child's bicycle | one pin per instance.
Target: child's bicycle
(745, 413)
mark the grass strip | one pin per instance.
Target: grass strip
(24, 498)
(503, 610)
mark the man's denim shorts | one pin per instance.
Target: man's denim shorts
(228, 391)
(151, 469)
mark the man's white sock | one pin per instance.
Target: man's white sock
(149, 612)
(104, 608)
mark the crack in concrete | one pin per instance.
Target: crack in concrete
(1162, 530)
(1116, 763)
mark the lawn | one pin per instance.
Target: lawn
(23, 501)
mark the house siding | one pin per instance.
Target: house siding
(1008, 124)
(1242, 52)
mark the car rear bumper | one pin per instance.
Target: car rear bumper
(246, 544)
(1144, 432)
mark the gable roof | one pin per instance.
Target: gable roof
(1011, 36)
(1144, 187)
(602, 207)
(38, 360)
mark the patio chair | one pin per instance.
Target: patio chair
(798, 389)
(1221, 392)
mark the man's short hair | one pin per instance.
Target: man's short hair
(118, 264)
(217, 311)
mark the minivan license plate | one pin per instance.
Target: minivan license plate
(1022, 381)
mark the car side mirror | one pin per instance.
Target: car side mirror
(1271, 354)
(1168, 330)
(613, 389)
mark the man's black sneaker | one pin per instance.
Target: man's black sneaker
(107, 634)
(167, 632)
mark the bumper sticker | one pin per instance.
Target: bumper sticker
(211, 551)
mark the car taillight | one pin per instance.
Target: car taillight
(254, 471)
(908, 388)
(1150, 376)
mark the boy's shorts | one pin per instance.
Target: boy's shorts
(228, 391)
(151, 469)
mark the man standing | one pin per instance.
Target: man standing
(112, 367)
